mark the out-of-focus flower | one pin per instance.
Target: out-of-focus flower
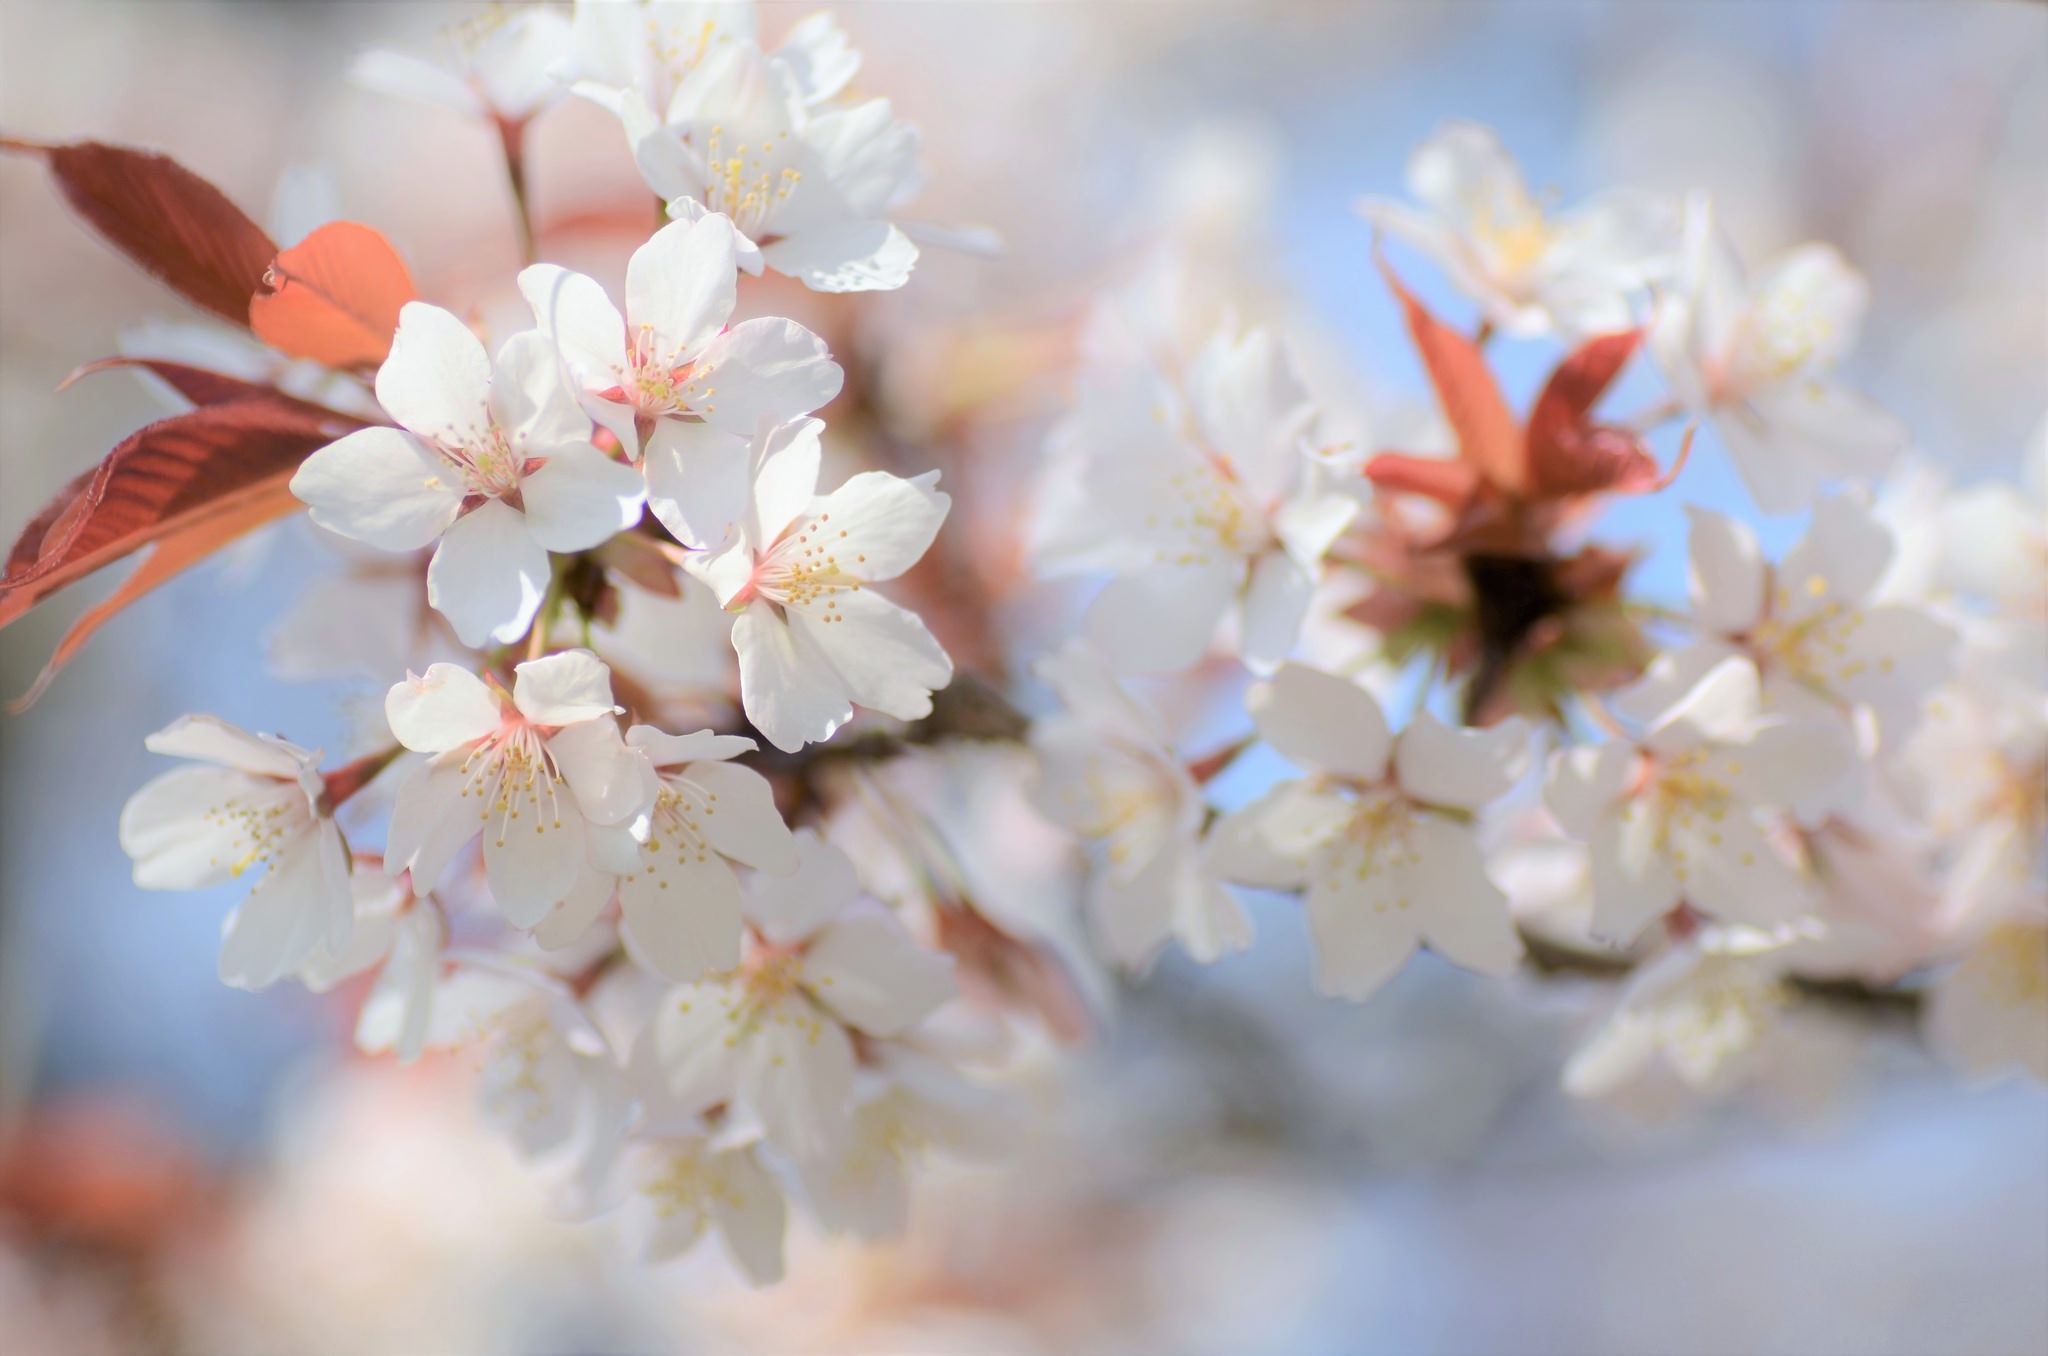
(1381, 836)
(1674, 817)
(1989, 1014)
(494, 461)
(1200, 493)
(258, 804)
(777, 1032)
(812, 638)
(676, 1188)
(643, 50)
(1532, 273)
(501, 70)
(1980, 762)
(401, 935)
(1758, 358)
(1695, 1011)
(668, 378)
(529, 769)
(1108, 772)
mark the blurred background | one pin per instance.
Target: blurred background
(1234, 1165)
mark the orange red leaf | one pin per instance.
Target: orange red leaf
(334, 297)
(1489, 437)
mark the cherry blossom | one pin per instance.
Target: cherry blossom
(668, 378)
(1202, 497)
(810, 189)
(1758, 357)
(1989, 1013)
(639, 52)
(777, 1031)
(813, 639)
(258, 804)
(1812, 625)
(1380, 836)
(678, 1188)
(1677, 817)
(401, 937)
(681, 901)
(1697, 1011)
(530, 770)
(1531, 272)
(501, 72)
(493, 461)
(1108, 772)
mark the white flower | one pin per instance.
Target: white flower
(1675, 817)
(1696, 1011)
(1994, 540)
(813, 639)
(401, 935)
(526, 769)
(1990, 1013)
(776, 1032)
(1201, 496)
(915, 1105)
(669, 372)
(259, 805)
(1759, 359)
(1108, 772)
(501, 68)
(1530, 272)
(493, 460)
(1981, 763)
(809, 189)
(642, 50)
(1381, 835)
(681, 901)
(1813, 626)
(677, 1187)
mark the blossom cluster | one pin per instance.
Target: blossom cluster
(675, 818)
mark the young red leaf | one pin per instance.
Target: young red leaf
(1569, 454)
(1489, 438)
(1450, 483)
(170, 557)
(335, 297)
(173, 475)
(165, 218)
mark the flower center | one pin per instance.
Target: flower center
(744, 182)
(264, 823)
(490, 469)
(1814, 647)
(514, 777)
(662, 384)
(1373, 841)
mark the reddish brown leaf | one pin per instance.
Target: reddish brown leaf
(165, 218)
(1450, 483)
(173, 475)
(1568, 453)
(197, 384)
(170, 557)
(1489, 438)
(336, 297)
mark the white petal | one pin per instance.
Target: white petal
(210, 739)
(1465, 917)
(751, 1214)
(580, 498)
(682, 911)
(432, 819)
(585, 903)
(1842, 557)
(1363, 926)
(608, 778)
(1241, 850)
(1586, 781)
(698, 480)
(437, 379)
(667, 750)
(1728, 870)
(1722, 705)
(533, 849)
(530, 402)
(796, 1072)
(744, 824)
(1465, 768)
(887, 659)
(766, 368)
(408, 77)
(785, 476)
(1318, 720)
(1276, 603)
(381, 486)
(876, 525)
(563, 689)
(791, 692)
(1728, 573)
(445, 708)
(845, 256)
(867, 969)
(681, 285)
(573, 310)
(282, 922)
(199, 826)
(488, 575)
(1160, 620)
(789, 908)
(693, 1040)
(1633, 883)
